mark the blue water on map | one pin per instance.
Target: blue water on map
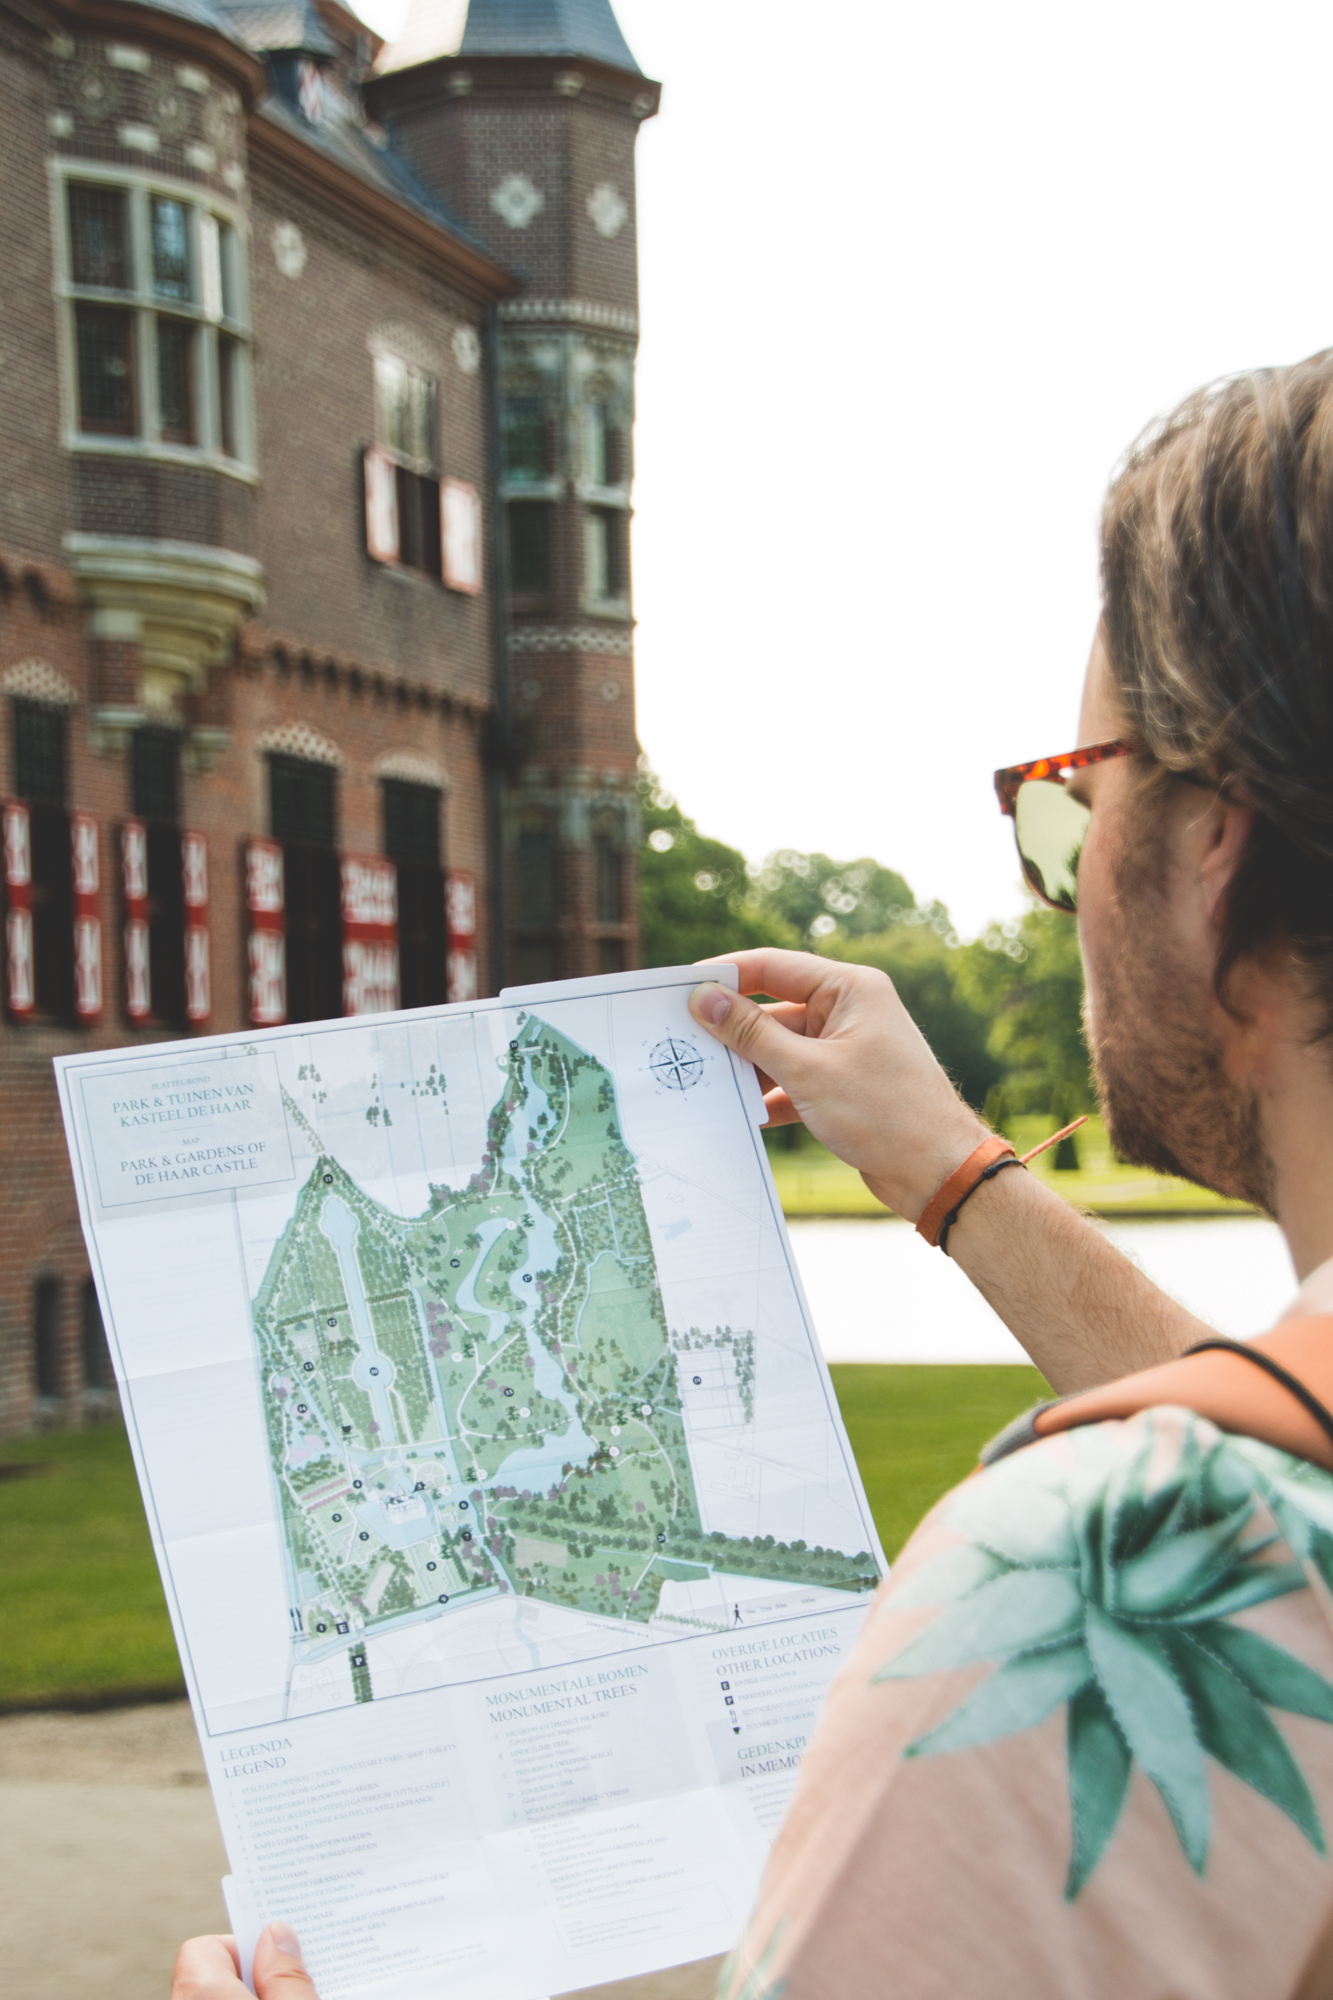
(540, 1464)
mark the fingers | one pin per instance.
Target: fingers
(207, 1968)
(787, 975)
(781, 1110)
(751, 1031)
(280, 1972)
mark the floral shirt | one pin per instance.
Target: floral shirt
(1084, 1746)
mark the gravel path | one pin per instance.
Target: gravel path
(110, 1855)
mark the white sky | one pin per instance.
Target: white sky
(912, 278)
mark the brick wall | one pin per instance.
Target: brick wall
(380, 663)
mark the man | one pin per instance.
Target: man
(1085, 1744)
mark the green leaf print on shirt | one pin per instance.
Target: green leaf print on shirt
(1108, 1584)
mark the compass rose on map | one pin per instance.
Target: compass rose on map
(677, 1063)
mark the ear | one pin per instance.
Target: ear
(1226, 833)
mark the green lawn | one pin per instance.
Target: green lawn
(811, 1181)
(81, 1608)
(916, 1430)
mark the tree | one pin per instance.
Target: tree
(1025, 978)
(693, 891)
(820, 899)
(922, 956)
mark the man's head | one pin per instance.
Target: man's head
(1206, 885)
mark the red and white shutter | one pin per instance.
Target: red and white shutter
(460, 535)
(266, 944)
(134, 886)
(20, 982)
(370, 934)
(382, 541)
(460, 902)
(194, 888)
(86, 882)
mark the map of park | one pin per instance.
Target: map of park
(484, 1399)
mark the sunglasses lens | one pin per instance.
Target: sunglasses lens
(1051, 826)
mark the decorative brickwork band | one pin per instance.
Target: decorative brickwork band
(266, 943)
(460, 895)
(134, 889)
(20, 982)
(370, 934)
(34, 680)
(611, 643)
(571, 312)
(86, 884)
(198, 968)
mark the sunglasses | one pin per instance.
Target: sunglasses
(1050, 824)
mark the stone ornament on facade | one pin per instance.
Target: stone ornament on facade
(181, 603)
(222, 121)
(467, 349)
(97, 94)
(298, 739)
(289, 251)
(577, 639)
(609, 210)
(516, 201)
(171, 111)
(409, 769)
(35, 680)
(611, 690)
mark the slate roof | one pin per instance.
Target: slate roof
(270, 27)
(382, 166)
(510, 28)
(202, 12)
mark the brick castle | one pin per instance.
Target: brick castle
(316, 684)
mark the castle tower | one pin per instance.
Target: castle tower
(522, 116)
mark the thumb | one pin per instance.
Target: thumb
(750, 1030)
(280, 1972)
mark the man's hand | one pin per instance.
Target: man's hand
(209, 1968)
(840, 1052)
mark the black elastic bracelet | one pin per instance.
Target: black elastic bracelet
(1291, 1383)
(997, 1167)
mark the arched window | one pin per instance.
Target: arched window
(46, 1337)
(608, 896)
(303, 815)
(412, 838)
(536, 900)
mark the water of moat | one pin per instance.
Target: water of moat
(877, 1292)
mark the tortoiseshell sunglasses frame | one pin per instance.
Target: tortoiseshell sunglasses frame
(1008, 781)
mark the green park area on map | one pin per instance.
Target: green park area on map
(484, 1399)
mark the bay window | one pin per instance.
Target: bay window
(154, 284)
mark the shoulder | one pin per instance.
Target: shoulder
(1160, 1515)
(1098, 1663)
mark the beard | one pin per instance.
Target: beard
(1168, 1102)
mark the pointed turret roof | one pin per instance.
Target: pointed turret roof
(568, 28)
